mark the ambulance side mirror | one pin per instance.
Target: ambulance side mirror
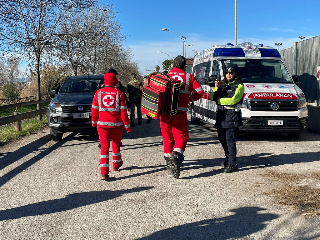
(212, 80)
(295, 79)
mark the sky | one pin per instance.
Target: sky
(210, 22)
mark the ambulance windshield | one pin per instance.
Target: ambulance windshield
(260, 70)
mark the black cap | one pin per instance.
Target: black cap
(111, 70)
(232, 68)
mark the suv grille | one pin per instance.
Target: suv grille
(291, 105)
(74, 109)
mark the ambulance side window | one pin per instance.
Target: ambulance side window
(201, 72)
(215, 69)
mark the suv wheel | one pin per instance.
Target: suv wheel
(55, 135)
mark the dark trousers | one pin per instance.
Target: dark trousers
(135, 103)
(227, 138)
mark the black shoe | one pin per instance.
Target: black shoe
(174, 166)
(99, 145)
(231, 169)
(132, 124)
(179, 156)
(149, 120)
(224, 164)
(139, 122)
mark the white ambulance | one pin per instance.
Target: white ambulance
(272, 100)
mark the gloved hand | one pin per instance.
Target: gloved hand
(128, 130)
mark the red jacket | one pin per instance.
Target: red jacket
(109, 109)
(190, 88)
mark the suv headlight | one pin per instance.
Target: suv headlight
(55, 107)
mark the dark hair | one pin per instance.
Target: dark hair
(179, 62)
(234, 68)
(111, 70)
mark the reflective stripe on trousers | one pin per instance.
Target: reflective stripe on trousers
(175, 127)
(105, 135)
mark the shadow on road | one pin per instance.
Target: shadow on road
(71, 201)
(35, 146)
(263, 160)
(244, 221)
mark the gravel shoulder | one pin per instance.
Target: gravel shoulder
(52, 190)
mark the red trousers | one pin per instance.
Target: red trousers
(175, 129)
(105, 134)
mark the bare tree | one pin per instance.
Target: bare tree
(9, 72)
(28, 27)
(84, 38)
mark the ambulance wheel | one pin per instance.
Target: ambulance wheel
(294, 135)
(55, 135)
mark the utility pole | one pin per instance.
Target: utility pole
(235, 23)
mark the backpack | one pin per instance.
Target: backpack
(160, 96)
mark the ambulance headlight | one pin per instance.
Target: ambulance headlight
(302, 102)
(245, 104)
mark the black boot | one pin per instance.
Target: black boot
(167, 162)
(179, 156)
(224, 164)
(231, 169)
(173, 166)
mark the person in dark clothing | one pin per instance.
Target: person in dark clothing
(123, 89)
(134, 91)
(228, 95)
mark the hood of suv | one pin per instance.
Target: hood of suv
(74, 98)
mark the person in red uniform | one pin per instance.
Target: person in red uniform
(109, 115)
(174, 129)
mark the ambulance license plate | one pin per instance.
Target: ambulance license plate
(81, 115)
(275, 122)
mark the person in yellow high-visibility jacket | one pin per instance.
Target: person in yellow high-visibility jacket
(228, 94)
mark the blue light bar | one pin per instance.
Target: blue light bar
(269, 52)
(232, 52)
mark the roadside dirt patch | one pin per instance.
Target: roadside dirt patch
(300, 191)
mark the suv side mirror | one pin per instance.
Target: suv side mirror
(212, 80)
(295, 79)
(53, 92)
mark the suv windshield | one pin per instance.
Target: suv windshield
(260, 71)
(77, 86)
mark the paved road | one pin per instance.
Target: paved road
(53, 190)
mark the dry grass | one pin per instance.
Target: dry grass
(304, 198)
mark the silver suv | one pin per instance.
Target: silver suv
(70, 108)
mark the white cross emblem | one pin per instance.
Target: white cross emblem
(108, 100)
